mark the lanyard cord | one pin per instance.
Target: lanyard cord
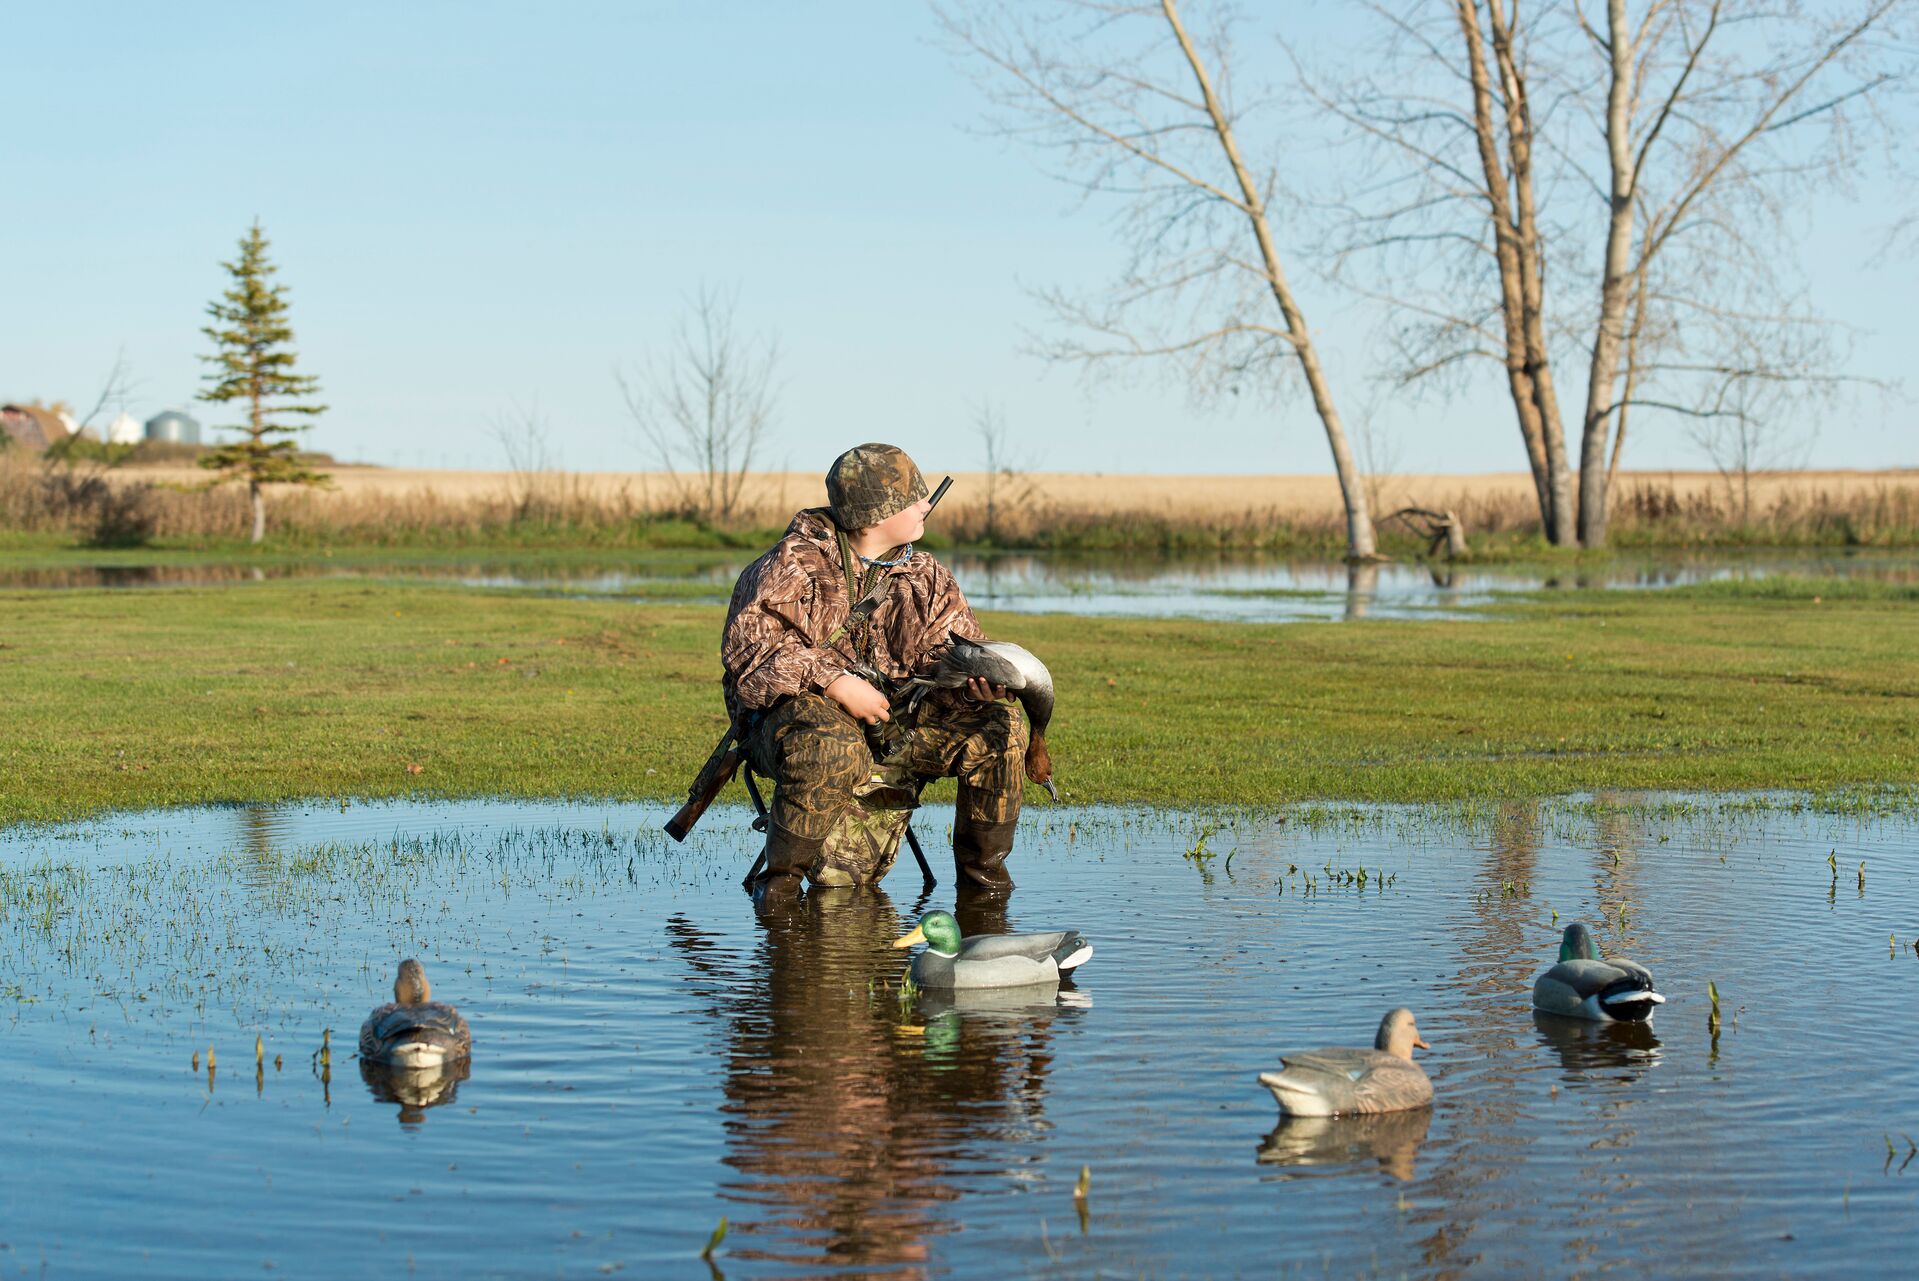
(858, 585)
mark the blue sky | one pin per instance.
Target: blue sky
(482, 205)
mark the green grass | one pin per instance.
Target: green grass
(279, 690)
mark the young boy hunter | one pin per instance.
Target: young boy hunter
(791, 635)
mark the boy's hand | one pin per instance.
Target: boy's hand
(861, 701)
(981, 690)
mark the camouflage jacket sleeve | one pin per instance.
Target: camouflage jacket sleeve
(773, 646)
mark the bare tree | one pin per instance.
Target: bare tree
(116, 390)
(74, 472)
(1714, 127)
(1755, 426)
(1453, 231)
(1133, 105)
(1005, 464)
(1709, 129)
(704, 409)
(525, 436)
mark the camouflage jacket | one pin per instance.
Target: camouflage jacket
(788, 604)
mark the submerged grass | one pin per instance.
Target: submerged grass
(345, 688)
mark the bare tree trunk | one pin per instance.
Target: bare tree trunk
(1506, 251)
(1632, 377)
(1616, 285)
(1360, 543)
(1532, 280)
(1520, 256)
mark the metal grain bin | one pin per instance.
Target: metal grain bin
(172, 425)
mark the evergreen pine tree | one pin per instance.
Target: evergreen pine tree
(253, 363)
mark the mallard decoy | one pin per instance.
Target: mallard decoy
(1024, 677)
(415, 1031)
(1343, 1082)
(990, 960)
(1584, 986)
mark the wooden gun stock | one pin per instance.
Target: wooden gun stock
(715, 774)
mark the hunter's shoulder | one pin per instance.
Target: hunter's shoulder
(924, 567)
(805, 547)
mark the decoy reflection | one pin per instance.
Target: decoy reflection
(1584, 1046)
(414, 1089)
(1338, 1144)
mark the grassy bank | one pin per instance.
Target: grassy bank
(281, 690)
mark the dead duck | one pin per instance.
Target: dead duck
(1583, 985)
(415, 1031)
(990, 960)
(1348, 1082)
(1024, 677)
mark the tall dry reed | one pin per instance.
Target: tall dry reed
(553, 509)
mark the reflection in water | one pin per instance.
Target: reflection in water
(851, 1115)
(1247, 586)
(1583, 1045)
(1362, 584)
(1494, 974)
(1337, 1144)
(759, 1066)
(415, 1089)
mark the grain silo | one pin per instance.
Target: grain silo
(173, 426)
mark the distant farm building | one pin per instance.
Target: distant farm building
(174, 426)
(35, 427)
(124, 430)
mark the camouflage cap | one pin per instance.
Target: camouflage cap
(870, 482)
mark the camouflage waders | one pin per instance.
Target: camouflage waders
(837, 820)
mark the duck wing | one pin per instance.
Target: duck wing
(1003, 663)
(430, 1030)
(1066, 949)
(1320, 1082)
(1610, 988)
(1336, 1082)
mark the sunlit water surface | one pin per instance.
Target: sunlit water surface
(1242, 587)
(649, 1057)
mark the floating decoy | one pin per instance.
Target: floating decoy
(1024, 677)
(415, 1031)
(1585, 986)
(990, 960)
(1346, 1082)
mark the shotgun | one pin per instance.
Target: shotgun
(713, 775)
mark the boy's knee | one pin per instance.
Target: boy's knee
(825, 757)
(1003, 730)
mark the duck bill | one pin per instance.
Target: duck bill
(917, 936)
(1420, 1041)
(1051, 790)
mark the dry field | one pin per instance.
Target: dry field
(772, 496)
(393, 507)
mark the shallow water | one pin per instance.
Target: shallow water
(1244, 588)
(649, 1057)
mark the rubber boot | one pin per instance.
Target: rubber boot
(979, 910)
(788, 858)
(979, 854)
